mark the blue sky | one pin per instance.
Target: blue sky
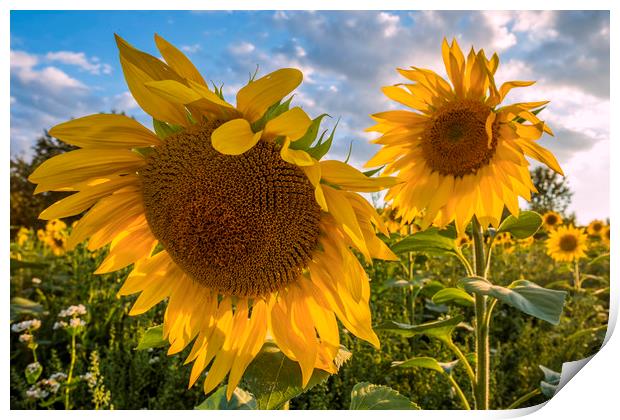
(65, 64)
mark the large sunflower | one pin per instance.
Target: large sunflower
(567, 243)
(460, 154)
(227, 212)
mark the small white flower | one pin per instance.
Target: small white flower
(25, 338)
(59, 325)
(76, 322)
(36, 280)
(33, 367)
(59, 376)
(31, 324)
(153, 360)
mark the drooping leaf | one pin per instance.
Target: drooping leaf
(396, 283)
(240, 400)
(427, 363)
(274, 379)
(549, 385)
(429, 241)
(545, 304)
(441, 329)
(152, 338)
(521, 227)
(23, 306)
(599, 259)
(163, 129)
(453, 295)
(366, 396)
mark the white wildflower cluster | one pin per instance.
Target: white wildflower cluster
(45, 387)
(36, 280)
(72, 311)
(25, 338)
(89, 378)
(153, 360)
(30, 325)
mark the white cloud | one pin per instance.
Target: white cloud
(242, 48)
(80, 60)
(124, 102)
(191, 49)
(502, 38)
(49, 78)
(390, 23)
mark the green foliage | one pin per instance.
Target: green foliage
(240, 400)
(367, 396)
(152, 338)
(523, 226)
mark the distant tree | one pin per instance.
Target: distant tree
(553, 192)
(25, 206)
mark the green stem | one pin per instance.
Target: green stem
(71, 366)
(577, 276)
(459, 391)
(482, 327)
(524, 398)
(459, 354)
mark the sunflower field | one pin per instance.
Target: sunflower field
(222, 261)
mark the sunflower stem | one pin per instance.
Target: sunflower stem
(577, 277)
(482, 324)
(71, 366)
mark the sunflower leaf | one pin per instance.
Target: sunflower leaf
(240, 400)
(528, 297)
(152, 338)
(21, 306)
(366, 396)
(521, 227)
(453, 295)
(549, 385)
(441, 329)
(427, 363)
(274, 379)
(430, 241)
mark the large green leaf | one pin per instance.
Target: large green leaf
(545, 304)
(427, 363)
(429, 241)
(438, 329)
(152, 338)
(453, 295)
(23, 306)
(366, 396)
(274, 379)
(240, 400)
(523, 226)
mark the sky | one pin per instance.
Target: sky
(64, 64)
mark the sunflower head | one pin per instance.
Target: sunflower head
(567, 243)
(459, 151)
(551, 220)
(596, 228)
(606, 235)
(229, 211)
(463, 240)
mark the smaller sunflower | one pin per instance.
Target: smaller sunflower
(596, 227)
(395, 224)
(567, 243)
(54, 236)
(463, 240)
(606, 235)
(22, 235)
(527, 242)
(551, 220)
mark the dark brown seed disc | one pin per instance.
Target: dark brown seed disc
(455, 141)
(242, 225)
(568, 243)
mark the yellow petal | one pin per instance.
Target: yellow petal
(151, 103)
(508, 86)
(540, 153)
(234, 137)
(104, 131)
(127, 248)
(314, 176)
(172, 91)
(178, 61)
(292, 124)
(402, 96)
(78, 202)
(295, 157)
(80, 165)
(254, 99)
(349, 178)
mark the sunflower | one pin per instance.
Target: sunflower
(459, 153)
(596, 227)
(527, 242)
(394, 225)
(567, 243)
(229, 213)
(23, 234)
(551, 220)
(463, 240)
(54, 236)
